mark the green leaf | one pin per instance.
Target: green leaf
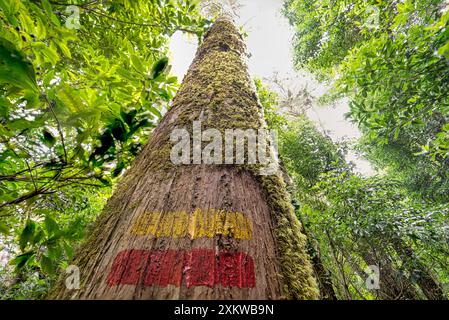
(54, 250)
(21, 260)
(21, 124)
(155, 111)
(38, 236)
(47, 6)
(137, 63)
(48, 139)
(4, 228)
(10, 8)
(27, 234)
(158, 68)
(51, 225)
(171, 80)
(15, 69)
(164, 94)
(50, 54)
(444, 50)
(64, 48)
(48, 9)
(47, 265)
(68, 250)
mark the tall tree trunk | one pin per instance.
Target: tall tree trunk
(198, 231)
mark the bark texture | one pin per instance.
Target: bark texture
(198, 231)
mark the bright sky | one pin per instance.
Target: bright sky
(269, 43)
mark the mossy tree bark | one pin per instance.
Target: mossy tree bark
(198, 231)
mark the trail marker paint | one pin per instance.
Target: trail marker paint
(199, 267)
(201, 223)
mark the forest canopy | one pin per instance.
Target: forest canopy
(390, 58)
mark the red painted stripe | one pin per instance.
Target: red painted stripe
(199, 267)
(236, 270)
(127, 266)
(164, 268)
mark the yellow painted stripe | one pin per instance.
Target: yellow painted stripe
(201, 223)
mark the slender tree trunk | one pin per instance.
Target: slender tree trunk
(392, 284)
(429, 286)
(357, 270)
(198, 231)
(340, 268)
(323, 277)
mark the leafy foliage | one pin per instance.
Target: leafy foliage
(82, 83)
(391, 60)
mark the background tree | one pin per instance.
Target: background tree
(352, 221)
(390, 59)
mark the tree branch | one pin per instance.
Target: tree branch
(61, 134)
